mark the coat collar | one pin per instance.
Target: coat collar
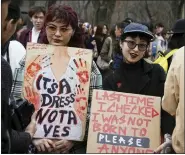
(144, 80)
(147, 67)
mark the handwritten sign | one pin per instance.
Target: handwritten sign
(57, 82)
(123, 123)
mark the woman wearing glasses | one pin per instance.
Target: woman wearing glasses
(135, 75)
(62, 30)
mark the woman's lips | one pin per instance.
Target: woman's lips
(133, 55)
(57, 40)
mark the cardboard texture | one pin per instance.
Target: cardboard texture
(123, 123)
(57, 82)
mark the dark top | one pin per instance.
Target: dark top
(6, 84)
(26, 36)
(99, 42)
(17, 141)
(141, 78)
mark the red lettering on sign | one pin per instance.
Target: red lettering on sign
(150, 102)
(96, 127)
(97, 96)
(103, 148)
(154, 113)
(110, 108)
(101, 106)
(94, 118)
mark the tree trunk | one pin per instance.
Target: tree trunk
(180, 9)
(148, 12)
(96, 6)
(85, 10)
(31, 3)
(51, 2)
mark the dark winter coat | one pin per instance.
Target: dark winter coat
(148, 80)
(12, 141)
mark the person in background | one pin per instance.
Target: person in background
(173, 103)
(20, 28)
(94, 30)
(135, 75)
(105, 29)
(159, 43)
(12, 141)
(6, 81)
(88, 38)
(159, 27)
(99, 38)
(177, 39)
(13, 51)
(35, 34)
(117, 55)
(108, 46)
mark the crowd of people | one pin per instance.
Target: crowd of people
(131, 57)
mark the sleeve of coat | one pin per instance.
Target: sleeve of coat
(167, 121)
(105, 50)
(109, 82)
(171, 90)
(20, 141)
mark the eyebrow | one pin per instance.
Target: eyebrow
(56, 26)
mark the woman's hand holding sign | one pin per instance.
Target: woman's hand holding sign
(63, 146)
(44, 145)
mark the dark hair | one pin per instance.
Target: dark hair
(99, 30)
(112, 31)
(134, 35)
(13, 12)
(159, 25)
(141, 36)
(36, 9)
(65, 14)
(176, 41)
(128, 20)
(122, 25)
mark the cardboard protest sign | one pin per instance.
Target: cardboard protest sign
(123, 123)
(56, 81)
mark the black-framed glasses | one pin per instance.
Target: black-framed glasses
(132, 44)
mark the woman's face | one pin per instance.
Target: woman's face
(132, 53)
(58, 34)
(104, 29)
(117, 31)
(94, 29)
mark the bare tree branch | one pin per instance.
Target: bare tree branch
(148, 11)
(85, 9)
(180, 8)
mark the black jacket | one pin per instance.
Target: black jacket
(151, 82)
(6, 84)
(12, 141)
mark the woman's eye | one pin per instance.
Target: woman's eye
(142, 45)
(52, 28)
(132, 43)
(63, 29)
